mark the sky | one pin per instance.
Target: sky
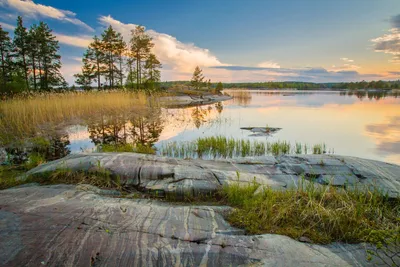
(234, 40)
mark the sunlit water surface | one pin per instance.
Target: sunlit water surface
(363, 125)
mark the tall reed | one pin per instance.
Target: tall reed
(26, 117)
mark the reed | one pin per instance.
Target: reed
(22, 118)
(224, 147)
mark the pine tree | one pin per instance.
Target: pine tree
(5, 63)
(198, 79)
(21, 44)
(120, 51)
(131, 77)
(111, 44)
(33, 51)
(93, 65)
(49, 59)
(141, 44)
(152, 72)
(209, 86)
(219, 88)
(88, 74)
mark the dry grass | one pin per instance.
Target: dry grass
(323, 214)
(26, 117)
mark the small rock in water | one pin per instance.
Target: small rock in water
(261, 131)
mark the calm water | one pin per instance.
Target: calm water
(363, 125)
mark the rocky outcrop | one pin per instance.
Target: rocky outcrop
(66, 225)
(180, 177)
(188, 101)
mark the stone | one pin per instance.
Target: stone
(63, 225)
(178, 177)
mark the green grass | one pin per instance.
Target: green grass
(100, 178)
(324, 214)
(223, 147)
(127, 147)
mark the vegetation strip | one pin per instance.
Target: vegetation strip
(223, 147)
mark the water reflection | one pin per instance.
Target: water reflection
(364, 124)
(371, 94)
(143, 129)
(387, 135)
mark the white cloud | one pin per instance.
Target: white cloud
(7, 26)
(181, 57)
(345, 59)
(389, 44)
(29, 8)
(68, 71)
(269, 64)
(78, 41)
(79, 59)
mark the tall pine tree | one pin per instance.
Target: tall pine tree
(49, 59)
(5, 63)
(141, 44)
(93, 65)
(21, 45)
(111, 44)
(152, 72)
(198, 79)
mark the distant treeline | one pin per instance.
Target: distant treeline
(301, 85)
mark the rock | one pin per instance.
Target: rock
(3, 155)
(179, 178)
(305, 239)
(61, 225)
(188, 101)
(261, 131)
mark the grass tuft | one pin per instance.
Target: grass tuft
(136, 148)
(223, 147)
(324, 213)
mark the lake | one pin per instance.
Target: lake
(354, 124)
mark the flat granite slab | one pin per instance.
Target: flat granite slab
(67, 225)
(192, 177)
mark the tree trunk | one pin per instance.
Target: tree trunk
(137, 70)
(25, 70)
(40, 74)
(120, 69)
(34, 72)
(98, 72)
(3, 67)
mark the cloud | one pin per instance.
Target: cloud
(243, 73)
(78, 41)
(269, 64)
(68, 71)
(394, 72)
(79, 59)
(181, 57)
(345, 59)
(389, 43)
(344, 67)
(386, 135)
(395, 20)
(7, 26)
(29, 8)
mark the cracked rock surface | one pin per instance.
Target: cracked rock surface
(180, 177)
(82, 225)
(67, 225)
